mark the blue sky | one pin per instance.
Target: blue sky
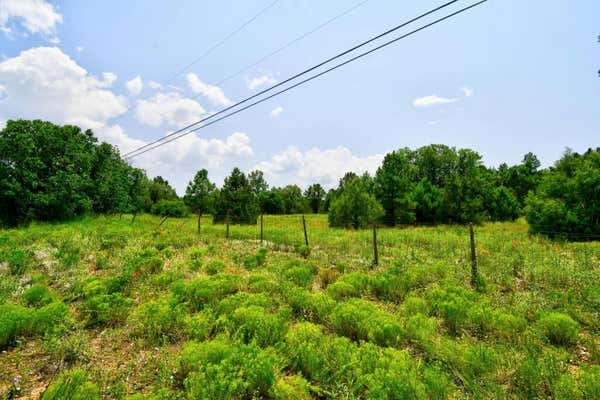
(504, 79)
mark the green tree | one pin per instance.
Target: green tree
(315, 194)
(257, 181)
(502, 204)
(567, 200)
(428, 199)
(139, 192)
(237, 201)
(394, 182)
(198, 194)
(354, 207)
(271, 201)
(161, 190)
(294, 201)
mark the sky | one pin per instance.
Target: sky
(506, 78)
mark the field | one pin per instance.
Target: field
(105, 308)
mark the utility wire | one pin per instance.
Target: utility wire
(306, 71)
(310, 78)
(222, 41)
(290, 43)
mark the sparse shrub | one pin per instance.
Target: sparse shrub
(566, 388)
(558, 329)
(37, 296)
(254, 325)
(361, 320)
(299, 274)
(69, 349)
(158, 321)
(18, 260)
(354, 284)
(256, 260)
(258, 283)
(14, 321)
(51, 318)
(214, 267)
(416, 305)
(590, 382)
(200, 325)
(314, 307)
(291, 388)
(223, 370)
(68, 253)
(328, 276)
(72, 385)
(105, 309)
(303, 250)
(228, 305)
(534, 378)
(206, 290)
(480, 359)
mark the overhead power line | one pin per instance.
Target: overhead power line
(183, 132)
(222, 41)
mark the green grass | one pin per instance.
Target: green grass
(101, 307)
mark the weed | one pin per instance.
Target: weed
(558, 329)
(37, 296)
(72, 385)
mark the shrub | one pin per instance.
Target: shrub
(558, 329)
(223, 370)
(256, 260)
(170, 208)
(291, 387)
(18, 260)
(480, 359)
(314, 307)
(200, 326)
(214, 267)
(254, 324)
(355, 207)
(158, 321)
(299, 274)
(37, 296)
(69, 349)
(72, 385)
(229, 304)
(105, 309)
(361, 320)
(18, 321)
(51, 318)
(204, 291)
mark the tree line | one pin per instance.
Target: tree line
(51, 173)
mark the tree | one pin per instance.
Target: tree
(315, 194)
(139, 192)
(294, 201)
(161, 190)
(394, 182)
(428, 199)
(198, 194)
(237, 202)
(170, 208)
(502, 204)
(271, 201)
(354, 207)
(567, 200)
(257, 181)
(522, 178)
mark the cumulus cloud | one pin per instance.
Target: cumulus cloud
(45, 83)
(433, 100)
(36, 16)
(170, 108)
(468, 92)
(275, 113)
(135, 86)
(155, 85)
(258, 81)
(213, 93)
(316, 165)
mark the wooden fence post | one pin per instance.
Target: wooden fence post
(473, 257)
(305, 234)
(227, 226)
(375, 251)
(199, 217)
(261, 228)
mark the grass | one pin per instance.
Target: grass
(103, 308)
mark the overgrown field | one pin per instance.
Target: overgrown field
(105, 308)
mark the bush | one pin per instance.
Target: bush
(291, 387)
(170, 208)
(37, 296)
(72, 385)
(256, 260)
(17, 259)
(299, 274)
(361, 320)
(18, 321)
(355, 207)
(224, 370)
(204, 291)
(105, 309)
(200, 326)
(314, 307)
(254, 325)
(214, 267)
(158, 321)
(558, 329)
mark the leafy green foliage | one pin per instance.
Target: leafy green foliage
(170, 208)
(315, 195)
(37, 296)
(559, 329)
(18, 321)
(73, 385)
(237, 202)
(158, 321)
(354, 207)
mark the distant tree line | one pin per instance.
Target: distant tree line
(52, 173)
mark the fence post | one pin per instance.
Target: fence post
(261, 228)
(473, 257)
(305, 234)
(375, 251)
(199, 217)
(227, 226)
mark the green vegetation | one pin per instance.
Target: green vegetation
(123, 310)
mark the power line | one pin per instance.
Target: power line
(304, 81)
(306, 71)
(222, 41)
(290, 43)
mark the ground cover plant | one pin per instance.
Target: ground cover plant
(109, 308)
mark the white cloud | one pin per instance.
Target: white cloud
(468, 92)
(36, 16)
(54, 40)
(258, 81)
(79, 49)
(135, 86)
(155, 85)
(45, 83)
(213, 93)
(275, 113)
(170, 108)
(432, 100)
(316, 165)
(431, 123)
